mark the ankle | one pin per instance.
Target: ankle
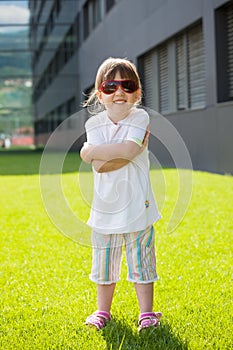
(143, 311)
(105, 312)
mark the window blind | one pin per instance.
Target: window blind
(163, 78)
(181, 72)
(148, 80)
(174, 72)
(196, 66)
(230, 48)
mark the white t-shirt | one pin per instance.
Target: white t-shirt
(123, 200)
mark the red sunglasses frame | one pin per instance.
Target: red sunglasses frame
(119, 83)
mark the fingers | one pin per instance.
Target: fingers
(146, 138)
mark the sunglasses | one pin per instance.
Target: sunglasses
(108, 87)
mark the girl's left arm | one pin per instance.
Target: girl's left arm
(101, 166)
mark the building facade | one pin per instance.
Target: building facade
(183, 50)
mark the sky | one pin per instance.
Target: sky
(13, 12)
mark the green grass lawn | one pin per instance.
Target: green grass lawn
(46, 294)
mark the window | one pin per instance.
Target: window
(182, 72)
(147, 69)
(230, 48)
(173, 73)
(85, 21)
(55, 117)
(69, 44)
(196, 68)
(109, 4)
(77, 30)
(224, 51)
(70, 106)
(49, 25)
(163, 78)
(57, 7)
(91, 16)
(61, 114)
(96, 12)
(52, 120)
(190, 65)
(42, 126)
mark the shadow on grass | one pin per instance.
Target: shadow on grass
(27, 162)
(119, 336)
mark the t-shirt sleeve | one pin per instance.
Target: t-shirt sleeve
(93, 131)
(137, 129)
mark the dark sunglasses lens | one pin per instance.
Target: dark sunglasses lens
(129, 86)
(109, 87)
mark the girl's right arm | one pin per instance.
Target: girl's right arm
(102, 166)
(127, 150)
(108, 152)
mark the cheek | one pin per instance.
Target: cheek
(106, 99)
(103, 98)
(133, 98)
(137, 96)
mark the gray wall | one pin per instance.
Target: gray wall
(130, 29)
(207, 132)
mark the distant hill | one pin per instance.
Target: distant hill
(15, 57)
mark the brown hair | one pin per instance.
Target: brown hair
(107, 71)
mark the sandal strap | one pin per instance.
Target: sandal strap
(98, 319)
(148, 315)
(103, 314)
(149, 319)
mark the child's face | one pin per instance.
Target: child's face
(119, 103)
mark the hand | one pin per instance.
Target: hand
(101, 166)
(146, 138)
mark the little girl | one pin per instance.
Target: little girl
(123, 208)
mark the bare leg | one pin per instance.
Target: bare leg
(145, 296)
(104, 296)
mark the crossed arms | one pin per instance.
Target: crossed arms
(109, 157)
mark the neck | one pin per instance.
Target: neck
(116, 118)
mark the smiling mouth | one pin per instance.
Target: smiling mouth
(119, 101)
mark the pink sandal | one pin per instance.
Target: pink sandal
(149, 319)
(98, 319)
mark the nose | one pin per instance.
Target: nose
(119, 90)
